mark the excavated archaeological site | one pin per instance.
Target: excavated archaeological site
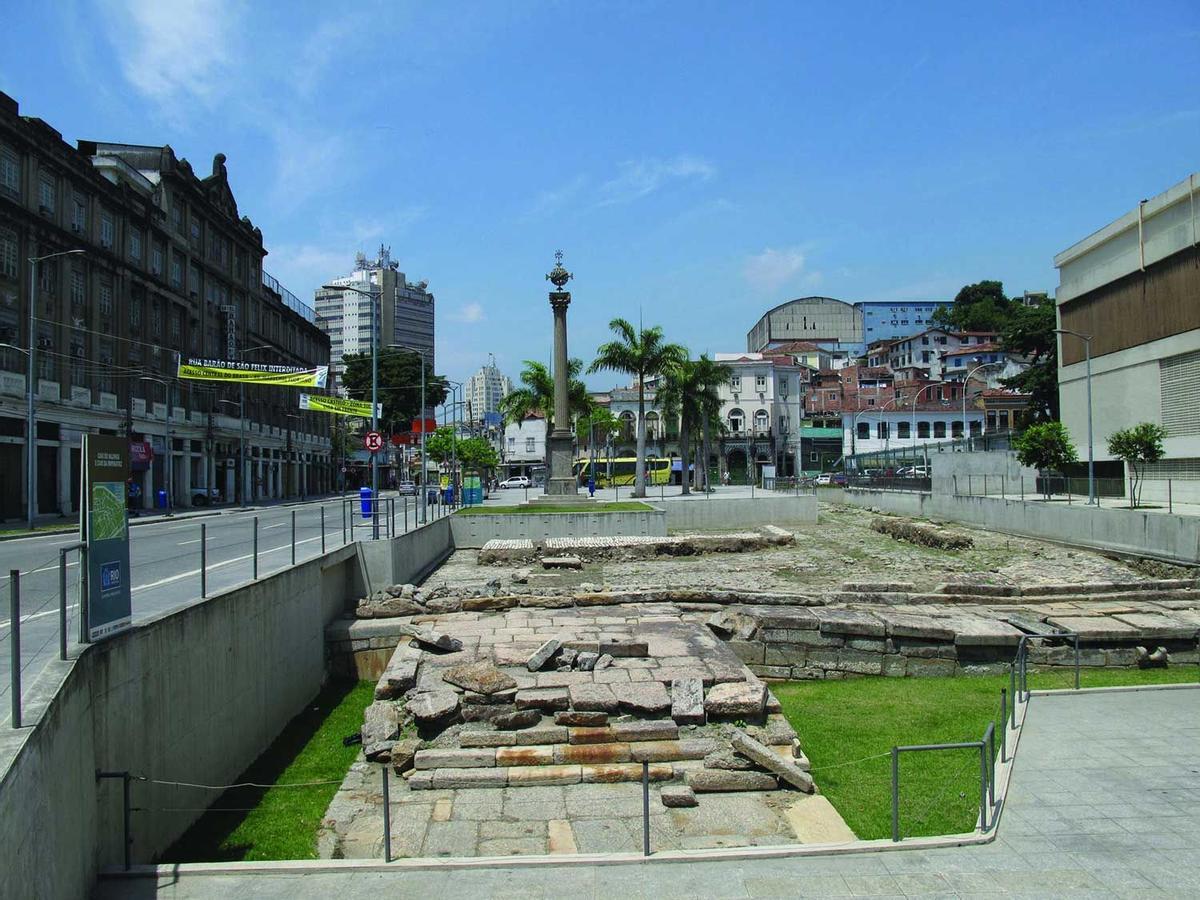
(522, 686)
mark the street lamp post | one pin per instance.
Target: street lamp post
(424, 506)
(916, 397)
(1087, 352)
(966, 387)
(30, 388)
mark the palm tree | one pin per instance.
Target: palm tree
(689, 391)
(536, 395)
(641, 353)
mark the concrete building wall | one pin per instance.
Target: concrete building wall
(472, 532)
(701, 514)
(808, 319)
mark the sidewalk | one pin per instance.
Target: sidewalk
(1102, 803)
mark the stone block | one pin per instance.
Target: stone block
(768, 759)
(722, 780)
(479, 678)
(509, 653)
(545, 734)
(487, 739)
(771, 671)
(591, 754)
(615, 773)
(747, 651)
(803, 637)
(380, 729)
(542, 654)
(591, 735)
(687, 701)
(925, 668)
(860, 663)
(435, 640)
(647, 697)
(787, 654)
(586, 660)
(433, 706)
(895, 665)
(867, 645)
(611, 676)
(678, 796)
(522, 718)
(402, 754)
(528, 776)
(562, 562)
(645, 730)
(849, 621)
(400, 675)
(485, 712)
(525, 756)
(736, 700)
(671, 751)
(547, 699)
(449, 779)
(576, 717)
(423, 781)
(473, 758)
(591, 697)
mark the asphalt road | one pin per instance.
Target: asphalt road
(165, 567)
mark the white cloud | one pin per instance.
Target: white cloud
(771, 269)
(177, 51)
(550, 202)
(638, 178)
(471, 313)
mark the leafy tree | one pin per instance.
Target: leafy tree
(1045, 446)
(1029, 332)
(689, 391)
(977, 307)
(596, 425)
(1141, 444)
(440, 445)
(536, 395)
(399, 384)
(477, 453)
(642, 353)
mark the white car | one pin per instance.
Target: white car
(825, 478)
(517, 481)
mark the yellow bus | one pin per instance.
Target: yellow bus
(658, 470)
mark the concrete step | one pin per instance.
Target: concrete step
(532, 776)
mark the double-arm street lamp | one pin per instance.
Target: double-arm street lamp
(966, 389)
(31, 387)
(1087, 352)
(915, 398)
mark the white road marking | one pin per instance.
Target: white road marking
(195, 572)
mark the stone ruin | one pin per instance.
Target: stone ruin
(589, 705)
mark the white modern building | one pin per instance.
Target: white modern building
(483, 392)
(762, 406)
(898, 426)
(1133, 288)
(524, 449)
(404, 316)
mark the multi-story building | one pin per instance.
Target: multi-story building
(1132, 289)
(762, 406)
(929, 349)
(404, 314)
(168, 267)
(844, 329)
(483, 392)
(524, 451)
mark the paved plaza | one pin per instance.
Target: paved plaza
(1102, 803)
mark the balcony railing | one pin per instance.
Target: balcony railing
(290, 300)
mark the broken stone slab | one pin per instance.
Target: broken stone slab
(586, 660)
(514, 654)
(562, 562)
(738, 699)
(485, 712)
(687, 701)
(566, 658)
(733, 625)
(468, 739)
(505, 696)
(542, 734)
(772, 762)
(615, 773)
(387, 608)
(720, 780)
(400, 675)
(604, 661)
(849, 621)
(645, 730)
(1091, 628)
(671, 751)
(646, 697)
(380, 729)
(479, 677)
(433, 705)
(677, 796)
(1153, 626)
(542, 654)
(547, 699)
(522, 718)
(624, 649)
(592, 698)
(728, 760)
(435, 640)
(403, 753)
(575, 717)
(878, 587)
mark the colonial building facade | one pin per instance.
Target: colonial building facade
(167, 268)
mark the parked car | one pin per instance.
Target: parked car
(517, 481)
(202, 497)
(407, 488)
(840, 478)
(825, 478)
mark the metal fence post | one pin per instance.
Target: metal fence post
(406, 515)
(983, 787)
(991, 749)
(1004, 728)
(125, 798)
(293, 537)
(62, 603)
(645, 809)
(1076, 662)
(387, 819)
(322, 530)
(14, 606)
(254, 549)
(956, 485)
(203, 559)
(985, 492)
(344, 540)
(895, 793)
(1170, 502)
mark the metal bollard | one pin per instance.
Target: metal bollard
(406, 515)
(62, 603)
(1170, 502)
(645, 809)
(895, 793)
(322, 530)
(983, 788)
(14, 608)
(1004, 727)
(203, 560)
(293, 537)
(387, 819)
(991, 742)
(255, 548)
(1076, 662)
(344, 539)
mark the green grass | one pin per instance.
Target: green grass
(39, 529)
(614, 507)
(281, 822)
(840, 722)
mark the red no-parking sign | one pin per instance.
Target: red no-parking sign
(373, 441)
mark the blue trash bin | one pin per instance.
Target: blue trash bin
(364, 499)
(161, 499)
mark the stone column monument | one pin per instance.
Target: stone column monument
(560, 483)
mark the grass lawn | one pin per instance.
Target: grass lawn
(281, 822)
(613, 507)
(842, 721)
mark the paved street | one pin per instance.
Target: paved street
(165, 562)
(1102, 804)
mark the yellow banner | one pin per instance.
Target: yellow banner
(252, 373)
(339, 406)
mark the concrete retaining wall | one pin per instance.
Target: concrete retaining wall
(473, 531)
(1153, 534)
(407, 558)
(703, 514)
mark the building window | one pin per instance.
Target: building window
(177, 216)
(176, 327)
(760, 382)
(135, 245)
(939, 429)
(864, 430)
(108, 230)
(8, 253)
(737, 420)
(196, 233)
(47, 194)
(956, 429)
(512, 445)
(783, 425)
(1004, 420)
(135, 313)
(176, 271)
(79, 215)
(903, 431)
(735, 383)
(194, 280)
(529, 445)
(783, 388)
(922, 431)
(881, 431)
(155, 319)
(78, 289)
(156, 259)
(762, 421)
(976, 427)
(106, 300)
(10, 170)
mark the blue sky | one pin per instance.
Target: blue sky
(697, 162)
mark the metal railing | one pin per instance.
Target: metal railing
(909, 453)
(1112, 493)
(914, 483)
(290, 300)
